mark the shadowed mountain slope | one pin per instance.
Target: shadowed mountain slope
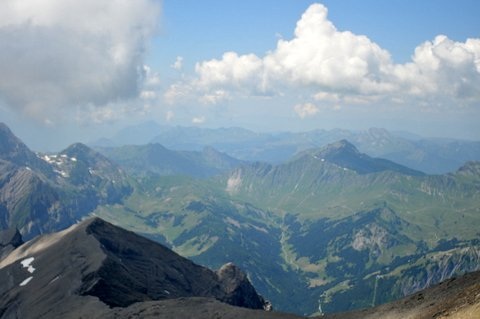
(93, 266)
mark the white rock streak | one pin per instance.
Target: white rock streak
(27, 263)
(26, 281)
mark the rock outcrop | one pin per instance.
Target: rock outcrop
(9, 240)
(94, 266)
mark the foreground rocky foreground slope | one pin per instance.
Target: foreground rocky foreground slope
(455, 298)
(97, 270)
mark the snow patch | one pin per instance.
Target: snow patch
(73, 159)
(47, 159)
(35, 247)
(26, 281)
(27, 263)
(63, 173)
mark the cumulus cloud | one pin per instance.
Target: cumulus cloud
(343, 68)
(321, 55)
(306, 110)
(178, 64)
(198, 120)
(63, 54)
(214, 97)
(177, 92)
(232, 69)
(443, 67)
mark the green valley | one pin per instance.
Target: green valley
(331, 227)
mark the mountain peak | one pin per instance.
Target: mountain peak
(13, 150)
(117, 266)
(11, 147)
(77, 149)
(85, 154)
(471, 168)
(344, 154)
(340, 146)
(4, 128)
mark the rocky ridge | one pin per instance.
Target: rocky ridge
(95, 268)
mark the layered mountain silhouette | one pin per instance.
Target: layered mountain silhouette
(155, 158)
(430, 155)
(330, 222)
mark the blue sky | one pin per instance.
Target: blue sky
(201, 30)
(76, 70)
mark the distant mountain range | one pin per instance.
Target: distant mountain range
(429, 155)
(331, 226)
(154, 158)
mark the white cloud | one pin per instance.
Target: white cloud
(148, 95)
(322, 56)
(177, 92)
(178, 64)
(62, 54)
(198, 120)
(444, 68)
(342, 68)
(232, 69)
(214, 97)
(110, 112)
(306, 110)
(151, 78)
(344, 98)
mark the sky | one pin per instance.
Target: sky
(79, 70)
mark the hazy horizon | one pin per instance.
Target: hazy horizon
(78, 71)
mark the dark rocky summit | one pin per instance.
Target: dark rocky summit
(95, 269)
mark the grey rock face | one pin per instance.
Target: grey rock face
(94, 266)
